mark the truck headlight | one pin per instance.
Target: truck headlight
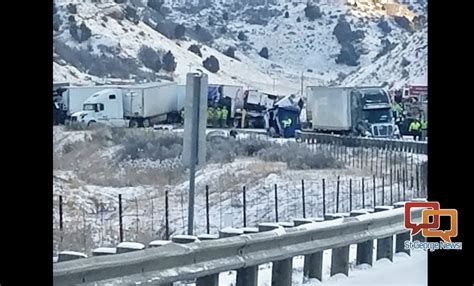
(396, 131)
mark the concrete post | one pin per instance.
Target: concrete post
(365, 250)
(384, 245)
(340, 255)
(401, 237)
(281, 270)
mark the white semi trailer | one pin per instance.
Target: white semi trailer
(131, 105)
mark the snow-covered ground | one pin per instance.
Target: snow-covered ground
(94, 208)
(404, 270)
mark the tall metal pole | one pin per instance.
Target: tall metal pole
(194, 150)
(302, 78)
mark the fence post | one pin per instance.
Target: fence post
(403, 181)
(244, 203)
(337, 195)
(363, 194)
(398, 184)
(391, 187)
(136, 215)
(276, 203)
(152, 217)
(350, 195)
(365, 250)
(303, 197)
(120, 218)
(324, 198)
(375, 197)
(383, 190)
(376, 161)
(371, 159)
(417, 182)
(167, 219)
(208, 228)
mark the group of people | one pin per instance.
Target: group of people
(418, 127)
(216, 116)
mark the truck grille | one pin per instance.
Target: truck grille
(383, 130)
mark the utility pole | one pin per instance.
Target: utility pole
(302, 79)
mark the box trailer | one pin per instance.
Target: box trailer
(135, 106)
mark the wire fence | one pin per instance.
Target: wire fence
(164, 213)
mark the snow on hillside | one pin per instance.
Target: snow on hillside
(308, 47)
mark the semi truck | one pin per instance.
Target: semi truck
(132, 105)
(355, 111)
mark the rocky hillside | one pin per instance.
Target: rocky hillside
(266, 45)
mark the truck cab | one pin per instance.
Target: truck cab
(105, 106)
(376, 111)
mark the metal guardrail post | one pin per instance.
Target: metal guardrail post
(365, 250)
(282, 270)
(313, 263)
(401, 237)
(339, 257)
(245, 276)
(384, 245)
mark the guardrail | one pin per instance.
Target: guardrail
(204, 260)
(396, 145)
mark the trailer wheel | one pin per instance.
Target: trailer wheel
(146, 123)
(133, 123)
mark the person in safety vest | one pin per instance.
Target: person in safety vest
(424, 128)
(219, 116)
(415, 129)
(225, 114)
(182, 116)
(210, 116)
(396, 109)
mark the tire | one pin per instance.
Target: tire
(146, 123)
(133, 123)
(91, 124)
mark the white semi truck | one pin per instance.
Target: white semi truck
(360, 111)
(132, 105)
(74, 96)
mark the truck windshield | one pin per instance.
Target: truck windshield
(374, 96)
(378, 115)
(90, 107)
